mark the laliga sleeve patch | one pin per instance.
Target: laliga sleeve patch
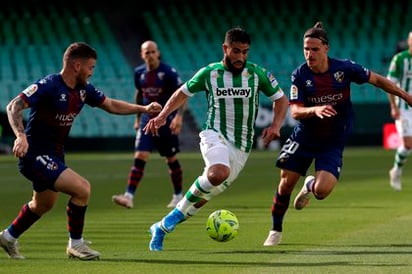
(293, 92)
(30, 90)
(272, 79)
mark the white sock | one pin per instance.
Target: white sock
(401, 157)
(309, 185)
(128, 195)
(75, 242)
(8, 236)
(200, 187)
(205, 184)
(192, 211)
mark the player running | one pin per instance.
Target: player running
(400, 72)
(320, 101)
(54, 103)
(232, 87)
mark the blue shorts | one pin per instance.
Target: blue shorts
(42, 171)
(167, 144)
(298, 157)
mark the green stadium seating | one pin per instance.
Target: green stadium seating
(362, 31)
(190, 34)
(32, 45)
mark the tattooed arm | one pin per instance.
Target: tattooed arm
(15, 115)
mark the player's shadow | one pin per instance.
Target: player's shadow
(249, 264)
(318, 250)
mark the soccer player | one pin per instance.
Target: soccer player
(400, 72)
(320, 101)
(54, 103)
(232, 88)
(155, 81)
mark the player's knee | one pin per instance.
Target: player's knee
(317, 197)
(82, 191)
(217, 174)
(321, 194)
(86, 188)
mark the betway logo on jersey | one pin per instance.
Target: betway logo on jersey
(332, 99)
(233, 92)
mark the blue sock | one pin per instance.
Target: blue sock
(170, 221)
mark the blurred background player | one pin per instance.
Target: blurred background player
(155, 81)
(54, 102)
(320, 100)
(400, 72)
(232, 86)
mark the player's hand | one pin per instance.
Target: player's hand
(176, 124)
(152, 127)
(153, 108)
(269, 134)
(325, 111)
(21, 146)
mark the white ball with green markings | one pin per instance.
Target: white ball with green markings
(222, 225)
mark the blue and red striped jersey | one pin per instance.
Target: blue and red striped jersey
(53, 108)
(329, 88)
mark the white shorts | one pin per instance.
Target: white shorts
(404, 123)
(216, 149)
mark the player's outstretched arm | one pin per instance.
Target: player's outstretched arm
(389, 86)
(120, 107)
(177, 100)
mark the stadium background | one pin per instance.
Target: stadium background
(34, 34)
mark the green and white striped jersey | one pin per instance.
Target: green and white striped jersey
(233, 100)
(400, 72)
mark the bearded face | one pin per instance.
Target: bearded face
(235, 56)
(236, 67)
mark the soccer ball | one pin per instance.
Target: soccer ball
(222, 225)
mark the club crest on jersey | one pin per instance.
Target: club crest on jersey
(246, 74)
(30, 90)
(339, 75)
(82, 95)
(161, 75)
(214, 74)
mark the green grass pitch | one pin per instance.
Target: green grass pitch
(362, 227)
